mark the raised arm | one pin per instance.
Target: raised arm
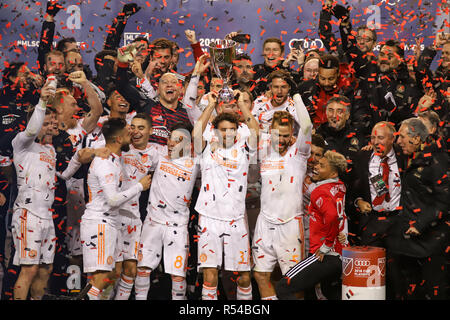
(190, 96)
(249, 119)
(200, 125)
(91, 119)
(25, 138)
(118, 26)
(47, 32)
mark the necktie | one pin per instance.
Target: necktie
(379, 199)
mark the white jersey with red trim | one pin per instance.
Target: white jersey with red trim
(95, 139)
(263, 111)
(104, 186)
(224, 180)
(171, 190)
(77, 134)
(282, 179)
(136, 164)
(36, 173)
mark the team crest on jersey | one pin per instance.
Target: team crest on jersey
(110, 260)
(32, 254)
(203, 257)
(144, 158)
(319, 202)
(234, 153)
(347, 265)
(189, 163)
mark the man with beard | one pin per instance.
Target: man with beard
(243, 74)
(280, 84)
(329, 82)
(393, 94)
(100, 221)
(279, 229)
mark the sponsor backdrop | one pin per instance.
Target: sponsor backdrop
(87, 21)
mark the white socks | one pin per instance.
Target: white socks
(124, 288)
(142, 284)
(270, 298)
(209, 293)
(244, 293)
(94, 293)
(179, 289)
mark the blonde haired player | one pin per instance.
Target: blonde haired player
(279, 228)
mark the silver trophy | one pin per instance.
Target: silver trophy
(223, 53)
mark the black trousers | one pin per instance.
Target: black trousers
(376, 227)
(419, 278)
(309, 272)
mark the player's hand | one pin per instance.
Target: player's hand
(427, 100)
(53, 7)
(212, 98)
(342, 238)
(37, 80)
(136, 68)
(127, 54)
(78, 77)
(412, 231)
(202, 65)
(364, 206)
(86, 155)
(320, 255)
(146, 181)
(190, 36)
(367, 148)
(130, 8)
(231, 35)
(47, 92)
(2, 199)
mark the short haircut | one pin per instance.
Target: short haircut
(282, 118)
(61, 93)
(161, 43)
(337, 161)
(276, 40)
(341, 100)
(61, 45)
(328, 61)
(318, 141)
(54, 53)
(416, 128)
(282, 74)
(374, 34)
(397, 45)
(112, 127)
(11, 71)
(141, 38)
(431, 116)
(386, 124)
(183, 126)
(48, 110)
(242, 56)
(224, 116)
(144, 116)
(110, 89)
(250, 95)
(100, 56)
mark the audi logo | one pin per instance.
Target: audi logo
(307, 43)
(362, 263)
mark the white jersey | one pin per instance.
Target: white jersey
(136, 164)
(36, 173)
(224, 180)
(95, 139)
(282, 180)
(263, 111)
(171, 190)
(77, 134)
(104, 185)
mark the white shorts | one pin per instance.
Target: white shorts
(219, 238)
(282, 243)
(34, 238)
(130, 235)
(157, 237)
(74, 241)
(100, 244)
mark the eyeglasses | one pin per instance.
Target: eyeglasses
(365, 39)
